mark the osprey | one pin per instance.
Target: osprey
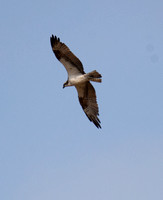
(78, 78)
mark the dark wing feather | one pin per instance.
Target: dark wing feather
(65, 56)
(87, 99)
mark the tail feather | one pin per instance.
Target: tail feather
(99, 80)
(94, 76)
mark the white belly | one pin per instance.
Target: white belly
(74, 80)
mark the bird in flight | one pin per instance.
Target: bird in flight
(78, 78)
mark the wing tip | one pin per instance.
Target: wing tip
(54, 40)
(95, 120)
(97, 123)
(98, 126)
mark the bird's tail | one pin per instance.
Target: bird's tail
(94, 76)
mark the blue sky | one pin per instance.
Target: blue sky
(48, 148)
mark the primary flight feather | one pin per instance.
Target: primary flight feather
(78, 78)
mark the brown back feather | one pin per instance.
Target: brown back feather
(62, 51)
(87, 99)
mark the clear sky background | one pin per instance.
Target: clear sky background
(48, 148)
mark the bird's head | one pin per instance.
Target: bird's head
(65, 84)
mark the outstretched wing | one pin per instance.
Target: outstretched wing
(72, 64)
(87, 99)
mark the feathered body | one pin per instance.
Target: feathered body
(78, 78)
